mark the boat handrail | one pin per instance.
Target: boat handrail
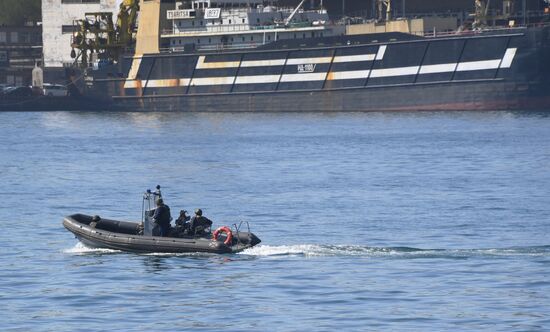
(238, 228)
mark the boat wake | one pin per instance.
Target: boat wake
(311, 250)
(81, 249)
(316, 250)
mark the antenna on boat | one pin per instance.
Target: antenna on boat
(148, 208)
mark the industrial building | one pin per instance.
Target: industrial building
(20, 49)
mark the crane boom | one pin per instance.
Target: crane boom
(289, 19)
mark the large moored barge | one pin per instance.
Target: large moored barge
(240, 55)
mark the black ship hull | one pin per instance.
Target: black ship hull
(500, 70)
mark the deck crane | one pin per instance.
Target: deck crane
(289, 19)
(381, 4)
(98, 34)
(482, 9)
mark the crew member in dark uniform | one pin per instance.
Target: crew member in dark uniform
(182, 225)
(199, 224)
(162, 217)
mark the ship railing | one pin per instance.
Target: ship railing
(206, 29)
(180, 31)
(432, 34)
(212, 48)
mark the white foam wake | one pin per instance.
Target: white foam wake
(312, 250)
(81, 249)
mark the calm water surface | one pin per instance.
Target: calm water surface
(369, 222)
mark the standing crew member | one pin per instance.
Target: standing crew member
(162, 217)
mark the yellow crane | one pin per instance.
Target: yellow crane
(482, 9)
(381, 4)
(98, 34)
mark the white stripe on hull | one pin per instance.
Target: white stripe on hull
(167, 83)
(215, 65)
(348, 75)
(354, 58)
(259, 79)
(263, 63)
(132, 83)
(203, 81)
(508, 58)
(436, 69)
(381, 52)
(478, 65)
(310, 77)
(306, 61)
(391, 72)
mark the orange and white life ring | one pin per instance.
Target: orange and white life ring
(228, 233)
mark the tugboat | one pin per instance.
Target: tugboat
(140, 237)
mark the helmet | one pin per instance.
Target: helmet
(160, 201)
(198, 212)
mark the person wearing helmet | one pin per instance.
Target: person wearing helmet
(199, 224)
(162, 218)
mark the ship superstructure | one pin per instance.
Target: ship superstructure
(236, 24)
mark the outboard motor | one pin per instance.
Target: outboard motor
(148, 207)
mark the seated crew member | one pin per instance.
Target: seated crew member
(162, 218)
(199, 223)
(182, 225)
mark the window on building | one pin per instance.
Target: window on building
(251, 38)
(198, 41)
(79, 1)
(66, 29)
(14, 37)
(244, 21)
(24, 37)
(3, 37)
(229, 21)
(258, 20)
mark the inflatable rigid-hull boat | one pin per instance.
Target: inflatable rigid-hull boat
(125, 236)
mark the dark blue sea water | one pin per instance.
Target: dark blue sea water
(369, 221)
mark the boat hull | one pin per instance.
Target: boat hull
(503, 70)
(103, 237)
(456, 96)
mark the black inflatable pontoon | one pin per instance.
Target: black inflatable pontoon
(122, 235)
(128, 236)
